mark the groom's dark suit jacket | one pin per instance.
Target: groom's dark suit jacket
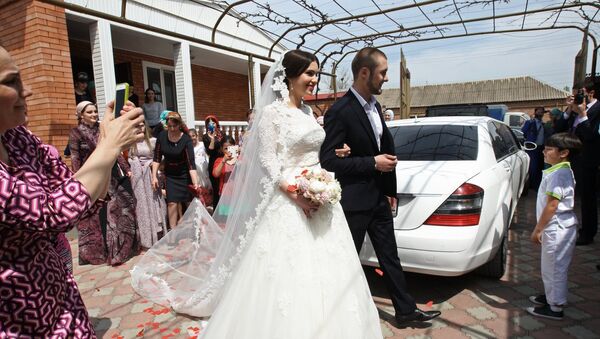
(362, 185)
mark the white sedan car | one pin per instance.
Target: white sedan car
(459, 181)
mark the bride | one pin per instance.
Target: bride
(270, 264)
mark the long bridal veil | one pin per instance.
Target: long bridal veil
(187, 269)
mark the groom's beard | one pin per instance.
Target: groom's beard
(373, 88)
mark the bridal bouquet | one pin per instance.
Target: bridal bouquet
(317, 185)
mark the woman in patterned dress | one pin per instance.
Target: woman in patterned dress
(40, 198)
(151, 207)
(115, 240)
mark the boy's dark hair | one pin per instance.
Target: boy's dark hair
(229, 139)
(565, 141)
(365, 58)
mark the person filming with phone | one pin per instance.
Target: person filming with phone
(212, 140)
(583, 119)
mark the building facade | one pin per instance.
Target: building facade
(164, 45)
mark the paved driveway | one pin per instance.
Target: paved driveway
(471, 306)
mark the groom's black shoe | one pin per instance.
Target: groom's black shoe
(418, 315)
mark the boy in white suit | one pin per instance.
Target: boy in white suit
(556, 227)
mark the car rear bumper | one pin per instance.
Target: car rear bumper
(435, 250)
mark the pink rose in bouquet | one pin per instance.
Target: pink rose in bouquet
(318, 186)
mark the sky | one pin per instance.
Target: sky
(546, 55)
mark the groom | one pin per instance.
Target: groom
(368, 176)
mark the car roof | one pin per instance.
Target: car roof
(454, 120)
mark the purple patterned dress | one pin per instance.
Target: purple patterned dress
(119, 240)
(39, 199)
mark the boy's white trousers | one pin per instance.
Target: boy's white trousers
(558, 244)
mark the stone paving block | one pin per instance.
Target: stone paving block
(576, 314)
(526, 290)
(528, 322)
(100, 269)
(138, 307)
(93, 312)
(477, 332)
(580, 332)
(164, 317)
(127, 281)
(418, 336)
(482, 313)
(103, 291)
(443, 306)
(88, 285)
(121, 299)
(387, 332)
(115, 275)
(526, 267)
(573, 298)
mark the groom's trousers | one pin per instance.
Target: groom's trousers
(378, 223)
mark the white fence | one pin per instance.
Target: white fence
(233, 128)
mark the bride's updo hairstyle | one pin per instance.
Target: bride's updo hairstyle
(295, 63)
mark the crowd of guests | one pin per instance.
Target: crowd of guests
(581, 118)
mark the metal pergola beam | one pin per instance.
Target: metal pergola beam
(353, 17)
(594, 60)
(456, 22)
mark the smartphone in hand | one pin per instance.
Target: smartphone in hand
(122, 93)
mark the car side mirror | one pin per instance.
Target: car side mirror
(529, 146)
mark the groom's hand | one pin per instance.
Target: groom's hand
(385, 162)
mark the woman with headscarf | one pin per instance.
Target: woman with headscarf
(109, 236)
(40, 199)
(212, 143)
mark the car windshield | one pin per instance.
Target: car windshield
(435, 142)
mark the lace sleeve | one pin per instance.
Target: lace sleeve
(269, 142)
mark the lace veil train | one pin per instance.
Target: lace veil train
(188, 269)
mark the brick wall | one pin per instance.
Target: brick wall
(36, 36)
(221, 93)
(215, 91)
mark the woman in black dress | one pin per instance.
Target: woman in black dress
(212, 144)
(174, 147)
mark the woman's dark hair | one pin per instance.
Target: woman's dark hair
(193, 130)
(565, 141)
(296, 62)
(146, 94)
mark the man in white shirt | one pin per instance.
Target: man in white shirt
(367, 175)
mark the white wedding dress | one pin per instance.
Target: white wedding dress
(299, 277)
(258, 267)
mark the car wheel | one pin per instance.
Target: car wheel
(496, 267)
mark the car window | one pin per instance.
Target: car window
(501, 148)
(508, 137)
(516, 120)
(435, 142)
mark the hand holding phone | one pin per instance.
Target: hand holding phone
(122, 93)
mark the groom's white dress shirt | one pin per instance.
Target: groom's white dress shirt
(372, 114)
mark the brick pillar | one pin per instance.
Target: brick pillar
(35, 34)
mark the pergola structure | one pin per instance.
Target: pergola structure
(335, 29)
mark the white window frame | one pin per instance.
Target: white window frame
(162, 68)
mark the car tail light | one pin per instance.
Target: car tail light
(462, 208)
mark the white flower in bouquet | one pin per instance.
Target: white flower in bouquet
(317, 186)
